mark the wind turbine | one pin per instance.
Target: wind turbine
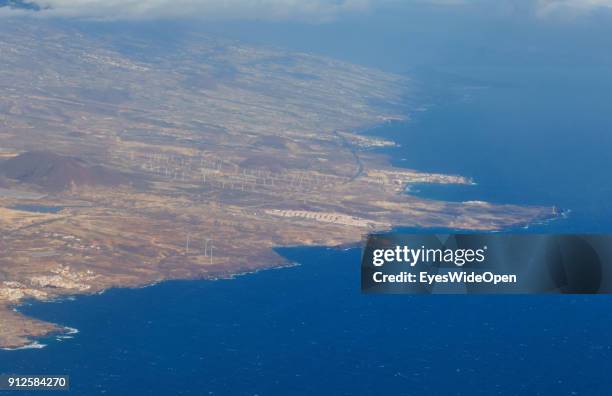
(206, 240)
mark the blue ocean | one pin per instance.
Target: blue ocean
(528, 120)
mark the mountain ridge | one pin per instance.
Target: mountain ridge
(55, 173)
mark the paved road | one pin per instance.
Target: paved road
(353, 151)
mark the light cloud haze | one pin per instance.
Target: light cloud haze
(571, 7)
(280, 10)
(309, 10)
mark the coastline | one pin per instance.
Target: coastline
(376, 158)
(63, 332)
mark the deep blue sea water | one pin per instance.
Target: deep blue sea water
(307, 330)
(523, 142)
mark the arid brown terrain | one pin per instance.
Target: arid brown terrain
(124, 163)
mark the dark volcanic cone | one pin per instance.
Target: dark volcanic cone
(54, 173)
